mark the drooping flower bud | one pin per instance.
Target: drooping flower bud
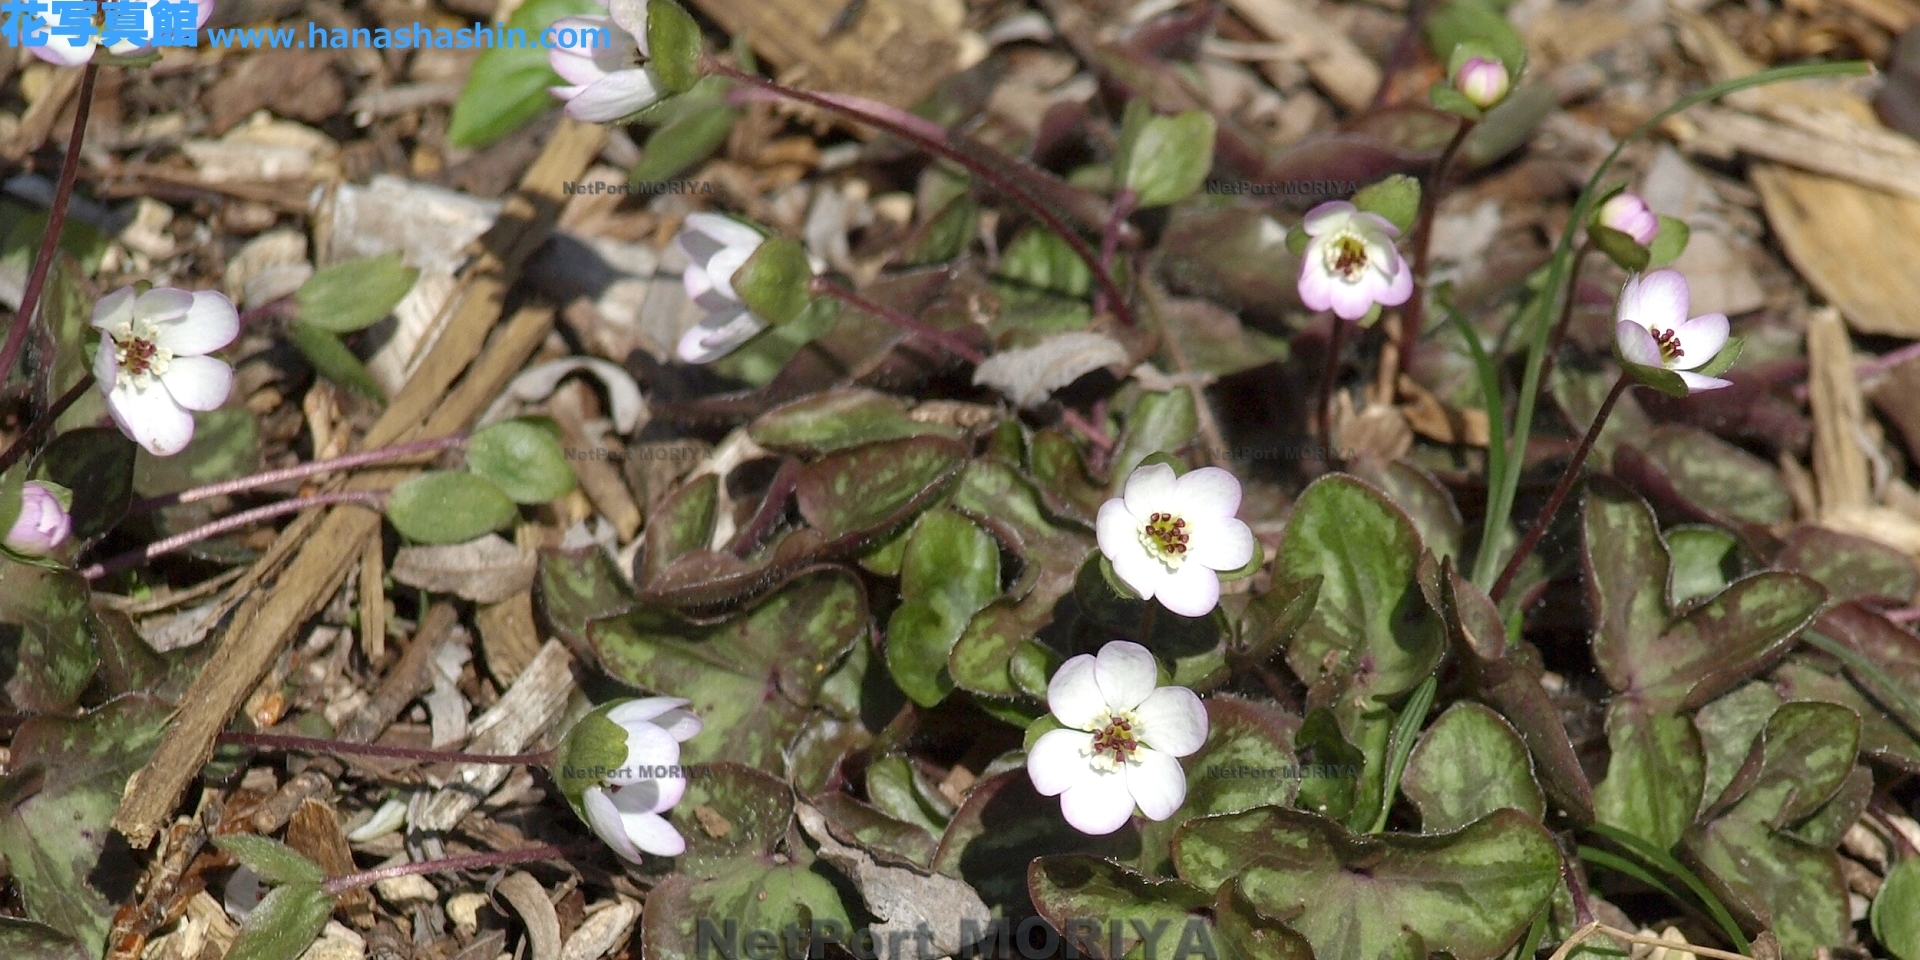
(619, 768)
(43, 523)
(1482, 81)
(1630, 215)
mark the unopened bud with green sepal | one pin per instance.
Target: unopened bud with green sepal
(619, 769)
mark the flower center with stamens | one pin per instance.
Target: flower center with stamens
(1346, 257)
(1165, 536)
(1669, 341)
(1115, 740)
(140, 359)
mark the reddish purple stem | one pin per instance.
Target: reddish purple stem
(281, 741)
(301, 470)
(954, 345)
(478, 861)
(56, 222)
(133, 558)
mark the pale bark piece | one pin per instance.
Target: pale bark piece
(1856, 246)
(1335, 62)
(322, 547)
(1835, 148)
(602, 931)
(526, 711)
(1029, 375)
(529, 899)
(895, 51)
(487, 570)
(508, 637)
(1839, 466)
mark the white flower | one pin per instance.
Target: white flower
(1168, 536)
(1628, 214)
(605, 82)
(153, 363)
(625, 804)
(1653, 330)
(1351, 263)
(42, 524)
(1121, 743)
(63, 51)
(716, 247)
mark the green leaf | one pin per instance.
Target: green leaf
(867, 489)
(1471, 893)
(762, 358)
(680, 525)
(1717, 475)
(1850, 567)
(64, 324)
(225, 445)
(1040, 259)
(948, 234)
(1802, 757)
(676, 146)
(54, 838)
(1322, 744)
(1444, 96)
(950, 571)
(837, 419)
(1469, 763)
(1158, 423)
(449, 506)
(1794, 889)
(1166, 159)
(355, 294)
(508, 84)
(757, 809)
(1620, 248)
(1728, 728)
(875, 830)
(1882, 737)
(1253, 934)
(1896, 911)
(1669, 243)
(1246, 762)
(55, 654)
(1725, 359)
(272, 860)
(284, 925)
(673, 46)
(756, 898)
(1425, 501)
(900, 790)
(99, 461)
(1476, 21)
(1396, 198)
(523, 459)
(1086, 898)
(1400, 743)
(1705, 560)
(332, 359)
(751, 678)
(27, 940)
(1003, 827)
(773, 282)
(1654, 777)
(1272, 618)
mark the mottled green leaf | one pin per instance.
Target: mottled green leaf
(1804, 754)
(1085, 897)
(449, 506)
(1158, 423)
(868, 489)
(225, 445)
(1882, 737)
(902, 791)
(1246, 762)
(837, 419)
(1468, 764)
(681, 524)
(756, 808)
(44, 616)
(1164, 159)
(523, 459)
(1719, 476)
(1038, 258)
(1792, 888)
(1654, 777)
(27, 940)
(950, 571)
(1727, 728)
(1704, 560)
(97, 463)
(1850, 567)
(769, 908)
(876, 830)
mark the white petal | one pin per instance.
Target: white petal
(198, 383)
(1220, 545)
(1098, 807)
(644, 708)
(1351, 301)
(161, 304)
(647, 746)
(1698, 382)
(113, 309)
(106, 365)
(63, 52)
(1636, 344)
(621, 94)
(206, 324)
(1173, 721)
(1316, 283)
(718, 335)
(1327, 216)
(1700, 339)
(1138, 569)
(1657, 299)
(1074, 694)
(631, 15)
(1150, 489)
(1375, 230)
(1115, 525)
(605, 820)
(724, 265)
(650, 796)
(1191, 591)
(651, 832)
(1206, 493)
(151, 418)
(1058, 760)
(585, 65)
(1156, 782)
(1399, 283)
(1126, 673)
(724, 231)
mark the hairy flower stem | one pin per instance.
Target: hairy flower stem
(1560, 490)
(42, 425)
(478, 861)
(1123, 206)
(1566, 318)
(56, 222)
(367, 498)
(300, 471)
(934, 140)
(1413, 316)
(1323, 401)
(277, 741)
(954, 345)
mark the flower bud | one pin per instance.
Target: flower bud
(1628, 214)
(43, 523)
(1482, 81)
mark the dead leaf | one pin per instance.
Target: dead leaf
(487, 570)
(1029, 375)
(529, 899)
(1855, 245)
(909, 900)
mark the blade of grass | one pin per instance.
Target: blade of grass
(1406, 729)
(1662, 859)
(1497, 465)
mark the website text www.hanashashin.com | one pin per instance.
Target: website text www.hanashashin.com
(170, 23)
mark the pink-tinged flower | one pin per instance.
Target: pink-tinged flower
(716, 247)
(1653, 329)
(153, 361)
(68, 50)
(620, 769)
(1350, 263)
(606, 79)
(1482, 81)
(1121, 742)
(1169, 537)
(43, 523)
(1628, 214)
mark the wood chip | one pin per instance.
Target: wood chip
(895, 51)
(1839, 467)
(602, 930)
(1856, 246)
(314, 830)
(508, 637)
(529, 899)
(528, 709)
(1334, 61)
(1830, 151)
